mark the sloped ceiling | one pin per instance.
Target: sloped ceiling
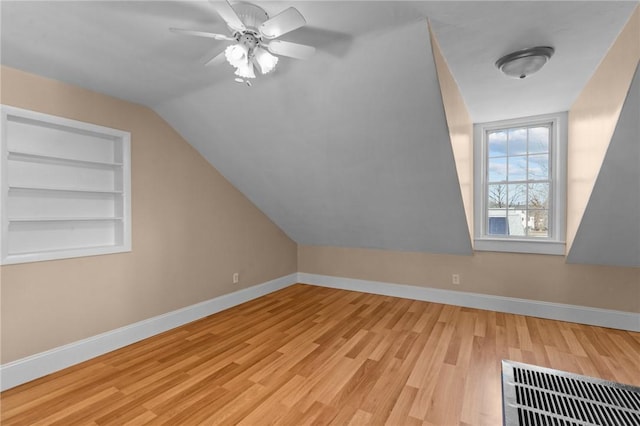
(366, 163)
(349, 148)
(610, 229)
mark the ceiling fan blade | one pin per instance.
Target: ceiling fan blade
(228, 15)
(201, 34)
(292, 50)
(284, 22)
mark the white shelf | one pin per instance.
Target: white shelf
(61, 219)
(65, 188)
(41, 158)
(30, 254)
(25, 257)
(54, 189)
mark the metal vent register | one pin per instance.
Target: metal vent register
(537, 396)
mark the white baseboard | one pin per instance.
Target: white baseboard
(32, 367)
(571, 313)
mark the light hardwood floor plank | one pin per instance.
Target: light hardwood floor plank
(313, 355)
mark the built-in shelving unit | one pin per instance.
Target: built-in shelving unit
(65, 188)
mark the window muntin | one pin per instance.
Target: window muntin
(518, 181)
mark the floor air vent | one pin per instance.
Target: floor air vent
(537, 396)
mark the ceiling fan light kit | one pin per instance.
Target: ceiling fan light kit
(266, 61)
(238, 56)
(251, 28)
(523, 63)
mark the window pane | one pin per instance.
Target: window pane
(538, 223)
(538, 140)
(516, 222)
(538, 167)
(517, 141)
(497, 143)
(497, 196)
(538, 196)
(517, 196)
(497, 169)
(517, 168)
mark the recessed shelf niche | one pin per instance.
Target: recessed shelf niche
(65, 188)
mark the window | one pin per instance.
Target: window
(65, 188)
(520, 179)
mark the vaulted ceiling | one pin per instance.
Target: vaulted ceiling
(350, 148)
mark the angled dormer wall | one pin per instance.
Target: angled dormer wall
(460, 130)
(593, 120)
(609, 232)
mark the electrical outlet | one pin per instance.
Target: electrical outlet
(236, 278)
(455, 279)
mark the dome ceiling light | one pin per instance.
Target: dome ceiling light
(523, 63)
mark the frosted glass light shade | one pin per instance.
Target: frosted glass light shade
(265, 60)
(246, 70)
(237, 54)
(525, 62)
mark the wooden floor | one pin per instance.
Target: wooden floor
(312, 355)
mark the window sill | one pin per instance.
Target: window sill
(556, 248)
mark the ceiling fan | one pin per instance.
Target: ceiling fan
(253, 33)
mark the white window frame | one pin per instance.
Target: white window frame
(65, 188)
(555, 243)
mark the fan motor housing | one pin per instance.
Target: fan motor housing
(249, 39)
(251, 15)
